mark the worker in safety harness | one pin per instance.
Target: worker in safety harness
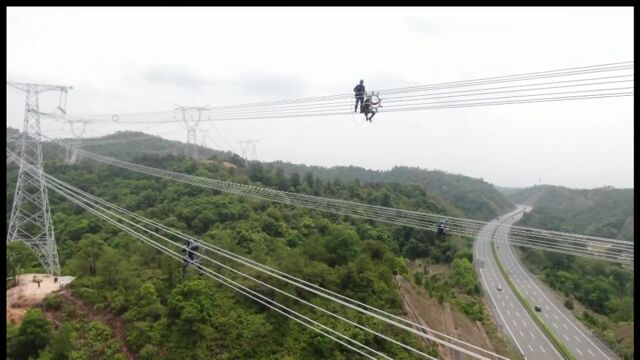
(368, 110)
(191, 248)
(442, 228)
(359, 91)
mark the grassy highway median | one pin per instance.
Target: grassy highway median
(556, 342)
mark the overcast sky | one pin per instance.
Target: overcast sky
(149, 59)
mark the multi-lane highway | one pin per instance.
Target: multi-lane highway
(568, 329)
(512, 318)
(515, 321)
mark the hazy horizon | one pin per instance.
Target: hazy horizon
(410, 166)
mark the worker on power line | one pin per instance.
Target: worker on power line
(190, 256)
(359, 91)
(368, 110)
(442, 228)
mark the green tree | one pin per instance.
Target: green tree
(416, 249)
(191, 309)
(19, 257)
(90, 249)
(341, 243)
(281, 180)
(294, 180)
(33, 335)
(61, 344)
(109, 266)
(463, 275)
(568, 303)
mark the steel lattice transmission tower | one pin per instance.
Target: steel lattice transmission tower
(30, 215)
(192, 115)
(71, 155)
(249, 144)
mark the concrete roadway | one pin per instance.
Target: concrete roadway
(510, 315)
(576, 337)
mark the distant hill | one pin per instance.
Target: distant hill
(606, 212)
(461, 195)
(126, 150)
(475, 198)
(507, 191)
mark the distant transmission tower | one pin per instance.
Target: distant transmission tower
(192, 115)
(71, 155)
(247, 145)
(30, 215)
(203, 138)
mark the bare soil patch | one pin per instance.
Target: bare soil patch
(28, 293)
(444, 318)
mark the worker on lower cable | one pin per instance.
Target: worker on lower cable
(442, 228)
(190, 256)
(359, 91)
(368, 110)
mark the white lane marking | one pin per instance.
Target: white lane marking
(530, 347)
(499, 313)
(541, 348)
(511, 304)
(592, 354)
(503, 305)
(552, 304)
(517, 314)
(554, 325)
(579, 352)
(524, 324)
(555, 316)
(577, 338)
(521, 333)
(532, 336)
(555, 351)
(508, 312)
(565, 326)
(514, 323)
(565, 337)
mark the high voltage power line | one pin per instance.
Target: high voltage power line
(578, 83)
(469, 93)
(604, 249)
(98, 207)
(612, 250)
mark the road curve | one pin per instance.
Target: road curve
(576, 337)
(511, 317)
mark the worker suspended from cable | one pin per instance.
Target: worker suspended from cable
(190, 257)
(368, 109)
(359, 91)
(442, 228)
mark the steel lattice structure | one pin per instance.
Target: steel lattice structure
(71, 155)
(30, 214)
(247, 145)
(192, 115)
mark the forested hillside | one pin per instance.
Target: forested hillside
(600, 294)
(126, 145)
(166, 317)
(605, 212)
(460, 195)
(475, 198)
